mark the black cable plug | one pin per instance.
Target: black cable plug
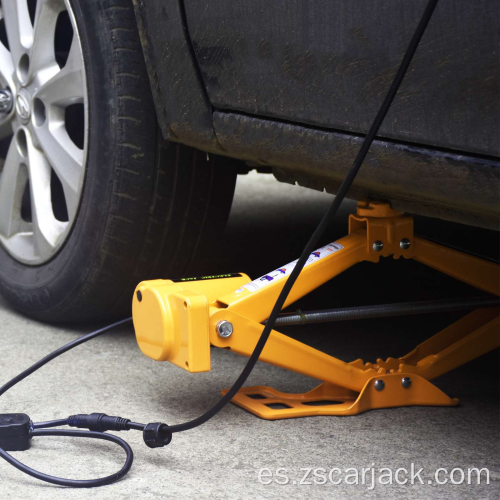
(15, 431)
(99, 422)
(156, 435)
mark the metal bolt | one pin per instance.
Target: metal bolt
(224, 328)
(378, 245)
(405, 244)
(379, 385)
(139, 295)
(6, 101)
(406, 382)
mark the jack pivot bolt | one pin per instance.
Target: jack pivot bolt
(379, 385)
(406, 382)
(405, 244)
(378, 245)
(224, 329)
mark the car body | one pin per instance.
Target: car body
(294, 85)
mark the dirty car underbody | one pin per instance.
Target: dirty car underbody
(293, 85)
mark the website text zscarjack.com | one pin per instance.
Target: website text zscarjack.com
(371, 476)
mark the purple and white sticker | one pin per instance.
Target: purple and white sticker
(283, 271)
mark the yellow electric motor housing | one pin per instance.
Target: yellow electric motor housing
(171, 317)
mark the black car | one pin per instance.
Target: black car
(123, 126)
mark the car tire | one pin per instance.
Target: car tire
(147, 206)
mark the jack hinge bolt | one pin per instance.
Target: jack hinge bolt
(224, 329)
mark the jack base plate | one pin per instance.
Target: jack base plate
(330, 399)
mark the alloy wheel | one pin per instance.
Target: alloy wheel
(43, 127)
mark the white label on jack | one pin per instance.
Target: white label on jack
(284, 271)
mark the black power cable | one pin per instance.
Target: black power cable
(75, 483)
(327, 219)
(159, 434)
(62, 350)
(41, 428)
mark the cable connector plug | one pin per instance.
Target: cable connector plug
(156, 435)
(15, 431)
(99, 422)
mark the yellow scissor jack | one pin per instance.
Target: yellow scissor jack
(177, 321)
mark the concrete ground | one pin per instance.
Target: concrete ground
(269, 224)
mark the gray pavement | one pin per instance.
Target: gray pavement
(269, 224)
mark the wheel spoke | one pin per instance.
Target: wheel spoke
(6, 80)
(12, 183)
(46, 228)
(66, 160)
(18, 26)
(63, 89)
(42, 52)
(6, 68)
(67, 86)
